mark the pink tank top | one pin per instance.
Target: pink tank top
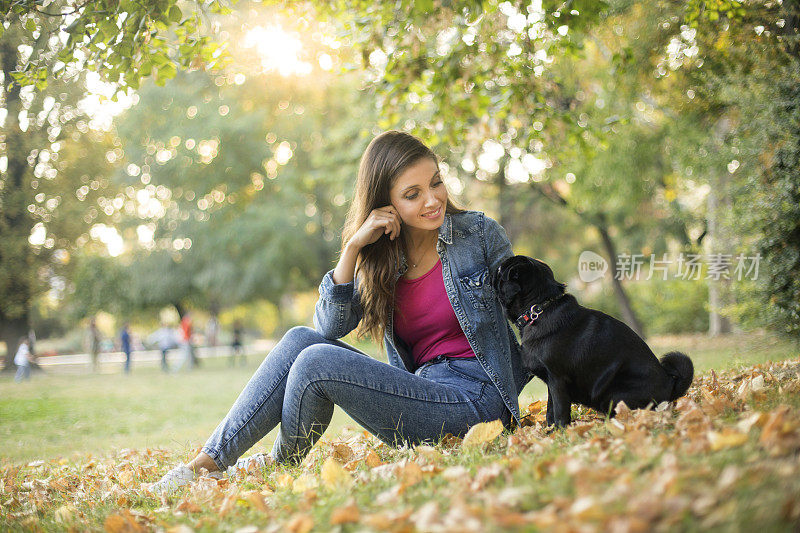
(425, 320)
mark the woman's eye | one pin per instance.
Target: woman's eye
(411, 197)
(437, 183)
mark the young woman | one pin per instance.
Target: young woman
(414, 271)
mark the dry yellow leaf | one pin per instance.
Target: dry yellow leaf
(124, 523)
(727, 438)
(188, 506)
(615, 427)
(305, 482)
(301, 523)
(429, 453)
(587, 508)
(343, 453)
(483, 432)
(183, 528)
(757, 419)
(372, 460)
(256, 500)
(64, 514)
(345, 514)
(284, 481)
(125, 477)
(334, 476)
(227, 504)
(409, 473)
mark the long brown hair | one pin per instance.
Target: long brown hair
(386, 157)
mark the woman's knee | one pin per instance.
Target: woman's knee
(311, 362)
(302, 335)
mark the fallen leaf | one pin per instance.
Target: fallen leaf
(426, 518)
(455, 473)
(781, 432)
(334, 477)
(284, 481)
(615, 427)
(410, 473)
(300, 523)
(181, 528)
(485, 475)
(122, 523)
(756, 419)
(429, 453)
(188, 506)
(256, 500)
(372, 460)
(587, 508)
(343, 453)
(482, 432)
(228, 504)
(345, 514)
(64, 514)
(125, 477)
(305, 482)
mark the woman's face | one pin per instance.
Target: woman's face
(419, 195)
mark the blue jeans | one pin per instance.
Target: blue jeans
(305, 374)
(23, 373)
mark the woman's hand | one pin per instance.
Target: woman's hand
(381, 221)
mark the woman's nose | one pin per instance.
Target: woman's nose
(431, 200)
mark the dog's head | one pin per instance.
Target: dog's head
(522, 281)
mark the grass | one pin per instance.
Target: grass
(691, 468)
(58, 415)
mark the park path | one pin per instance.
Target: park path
(113, 362)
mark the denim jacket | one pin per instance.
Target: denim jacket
(470, 245)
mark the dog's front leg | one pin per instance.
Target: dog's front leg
(557, 392)
(549, 416)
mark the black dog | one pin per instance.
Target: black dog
(585, 356)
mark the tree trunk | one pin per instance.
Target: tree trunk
(628, 314)
(717, 323)
(15, 223)
(10, 332)
(716, 240)
(503, 203)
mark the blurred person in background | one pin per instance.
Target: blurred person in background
(125, 345)
(23, 360)
(212, 329)
(164, 338)
(236, 345)
(94, 343)
(189, 357)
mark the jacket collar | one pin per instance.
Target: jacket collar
(445, 235)
(446, 229)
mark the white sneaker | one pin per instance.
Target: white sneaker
(176, 478)
(248, 465)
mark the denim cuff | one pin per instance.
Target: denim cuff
(215, 457)
(333, 292)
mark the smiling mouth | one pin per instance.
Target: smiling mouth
(433, 214)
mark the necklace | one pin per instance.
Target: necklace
(419, 261)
